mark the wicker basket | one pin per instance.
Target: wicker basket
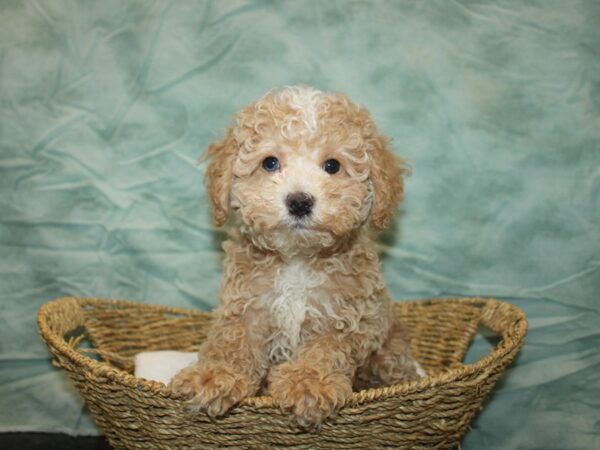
(95, 341)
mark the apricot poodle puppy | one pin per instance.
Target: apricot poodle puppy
(305, 316)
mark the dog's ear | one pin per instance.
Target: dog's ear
(219, 176)
(387, 172)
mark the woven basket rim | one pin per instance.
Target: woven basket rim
(511, 337)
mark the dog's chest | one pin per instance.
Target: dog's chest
(296, 290)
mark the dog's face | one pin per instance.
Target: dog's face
(303, 169)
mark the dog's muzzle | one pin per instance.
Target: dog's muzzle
(299, 204)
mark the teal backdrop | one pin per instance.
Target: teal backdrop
(105, 107)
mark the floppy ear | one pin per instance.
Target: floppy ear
(387, 172)
(219, 176)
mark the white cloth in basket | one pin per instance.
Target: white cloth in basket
(163, 365)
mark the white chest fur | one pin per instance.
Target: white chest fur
(291, 301)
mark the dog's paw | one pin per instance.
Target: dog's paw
(213, 389)
(309, 395)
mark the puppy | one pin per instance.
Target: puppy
(304, 315)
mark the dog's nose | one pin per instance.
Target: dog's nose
(299, 204)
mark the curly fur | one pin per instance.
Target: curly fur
(304, 314)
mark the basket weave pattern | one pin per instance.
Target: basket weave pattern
(135, 413)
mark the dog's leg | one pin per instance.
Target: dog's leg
(316, 383)
(231, 365)
(391, 364)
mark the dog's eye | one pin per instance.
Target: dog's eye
(331, 166)
(270, 164)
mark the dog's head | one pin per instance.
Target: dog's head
(303, 168)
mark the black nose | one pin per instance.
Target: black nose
(299, 204)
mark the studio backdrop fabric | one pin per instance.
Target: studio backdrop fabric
(106, 106)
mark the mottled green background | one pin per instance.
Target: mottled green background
(105, 106)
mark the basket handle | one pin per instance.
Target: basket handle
(58, 318)
(504, 319)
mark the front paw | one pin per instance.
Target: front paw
(213, 389)
(310, 395)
